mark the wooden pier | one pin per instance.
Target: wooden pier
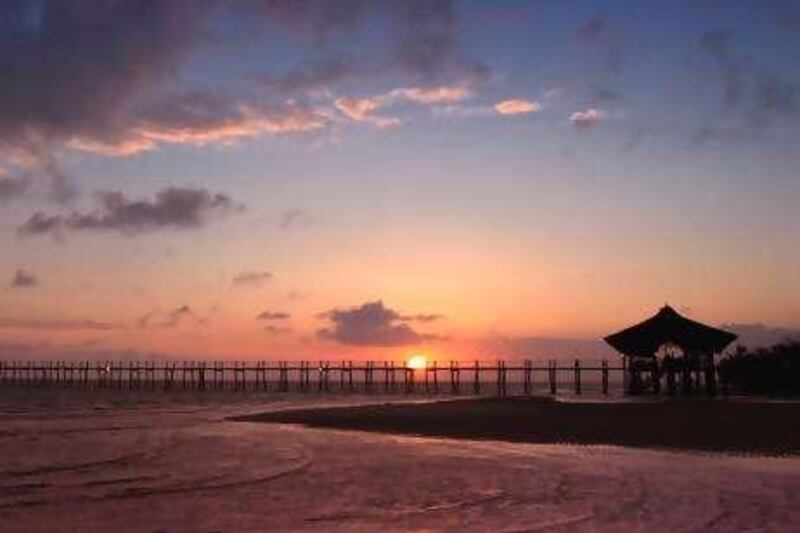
(500, 378)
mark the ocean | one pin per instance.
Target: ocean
(121, 460)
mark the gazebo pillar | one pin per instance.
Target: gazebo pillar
(626, 376)
(686, 374)
(710, 375)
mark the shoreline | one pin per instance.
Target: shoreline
(764, 428)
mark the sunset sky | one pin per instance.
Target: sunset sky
(266, 179)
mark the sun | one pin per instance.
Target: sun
(417, 362)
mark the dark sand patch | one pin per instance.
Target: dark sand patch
(685, 424)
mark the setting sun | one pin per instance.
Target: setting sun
(417, 362)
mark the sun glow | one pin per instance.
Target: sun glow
(417, 362)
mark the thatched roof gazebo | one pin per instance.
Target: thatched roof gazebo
(668, 327)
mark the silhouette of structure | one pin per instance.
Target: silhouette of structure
(697, 342)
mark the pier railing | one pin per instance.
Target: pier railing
(499, 378)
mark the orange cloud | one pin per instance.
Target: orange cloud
(362, 109)
(436, 95)
(357, 109)
(517, 106)
(123, 148)
(242, 122)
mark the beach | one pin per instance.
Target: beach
(699, 424)
(145, 461)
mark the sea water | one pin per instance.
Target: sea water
(155, 461)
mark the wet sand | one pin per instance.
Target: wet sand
(760, 427)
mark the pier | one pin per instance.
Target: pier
(499, 378)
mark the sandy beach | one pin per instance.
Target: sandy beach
(751, 426)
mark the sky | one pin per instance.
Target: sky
(307, 179)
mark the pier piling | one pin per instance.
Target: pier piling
(499, 378)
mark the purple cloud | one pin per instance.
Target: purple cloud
(312, 76)
(171, 319)
(173, 207)
(13, 186)
(123, 54)
(371, 324)
(760, 335)
(273, 315)
(24, 280)
(295, 218)
(602, 37)
(753, 96)
(252, 278)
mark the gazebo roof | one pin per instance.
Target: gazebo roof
(669, 327)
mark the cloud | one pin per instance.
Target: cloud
(760, 335)
(114, 51)
(427, 34)
(753, 97)
(371, 324)
(363, 109)
(603, 38)
(252, 278)
(100, 77)
(210, 119)
(434, 95)
(171, 319)
(98, 95)
(311, 77)
(319, 21)
(75, 67)
(24, 280)
(201, 118)
(717, 43)
(273, 315)
(13, 186)
(295, 218)
(173, 207)
(552, 92)
(421, 317)
(182, 313)
(586, 119)
(84, 72)
(464, 111)
(604, 96)
(55, 324)
(31, 169)
(357, 108)
(277, 330)
(426, 41)
(421, 36)
(517, 106)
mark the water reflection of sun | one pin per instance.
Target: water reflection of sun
(417, 362)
